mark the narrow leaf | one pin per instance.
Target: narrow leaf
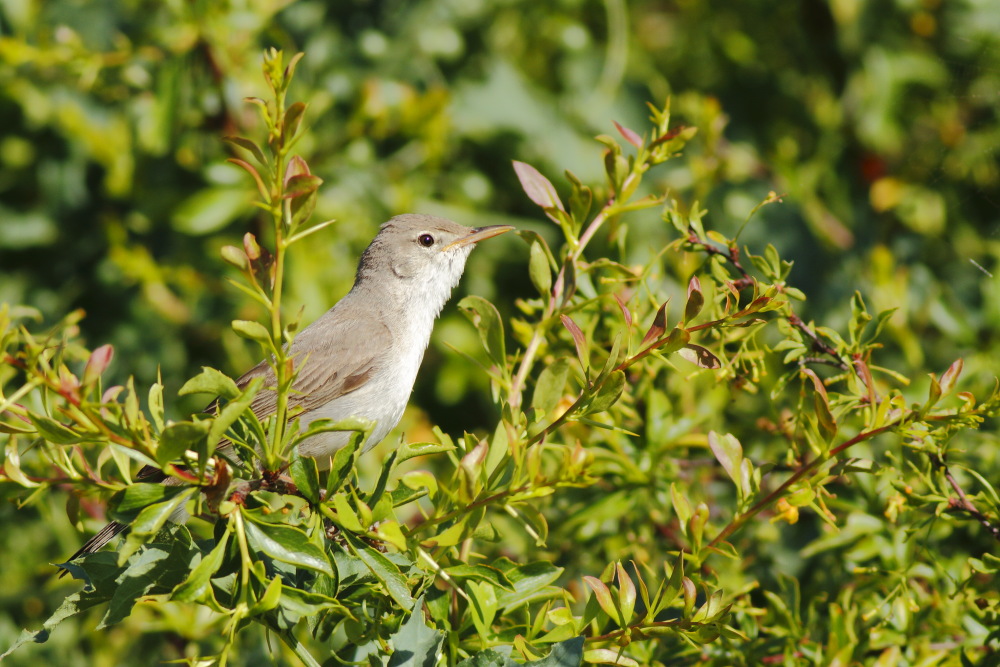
(537, 187)
(97, 363)
(659, 325)
(603, 596)
(630, 135)
(696, 354)
(539, 270)
(695, 299)
(626, 313)
(249, 146)
(609, 393)
(578, 339)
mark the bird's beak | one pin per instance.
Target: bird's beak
(478, 234)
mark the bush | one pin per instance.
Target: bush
(632, 504)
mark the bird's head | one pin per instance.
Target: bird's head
(421, 253)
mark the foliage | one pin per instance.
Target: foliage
(875, 121)
(462, 560)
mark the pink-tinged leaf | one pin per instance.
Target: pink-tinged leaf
(537, 187)
(696, 354)
(824, 414)
(603, 596)
(473, 461)
(111, 393)
(626, 313)
(630, 135)
(690, 594)
(98, 363)
(300, 185)
(659, 325)
(250, 169)
(669, 135)
(950, 376)
(579, 340)
(695, 299)
(817, 383)
(69, 385)
(865, 374)
(251, 247)
(297, 166)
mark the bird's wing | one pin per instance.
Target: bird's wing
(333, 357)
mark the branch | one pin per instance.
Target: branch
(962, 502)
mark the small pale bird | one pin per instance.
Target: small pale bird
(360, 358)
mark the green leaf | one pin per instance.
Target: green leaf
(580, 200)
(488, 658)
(211, 381)
(550, 386)
(415, 644)
(197, 587)
(180, 437)
(729, 452)
(482, 607)
(384, 570)
(137, 497)
(151, 520)
(157, 570)
(232, 411)
(539, 269)
(252, 330)
(293, 119)
(681, 506)
(286, 544)
(248, 145)
(564, 654)
(530, 582)
(305, 475)
(53, 431)
(607, 656)
(608, 394)
(485, 317)
(626, 594)
(209, 210)
(415, 449)
(482, 573)
(342, 464)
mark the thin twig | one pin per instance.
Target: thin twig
(962, 502)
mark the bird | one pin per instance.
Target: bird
(360, 358)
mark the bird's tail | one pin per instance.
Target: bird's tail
(95, 543)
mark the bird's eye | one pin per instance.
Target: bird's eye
(426, 240)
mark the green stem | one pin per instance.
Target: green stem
(278, 207)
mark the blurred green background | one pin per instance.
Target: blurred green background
(877, 122)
